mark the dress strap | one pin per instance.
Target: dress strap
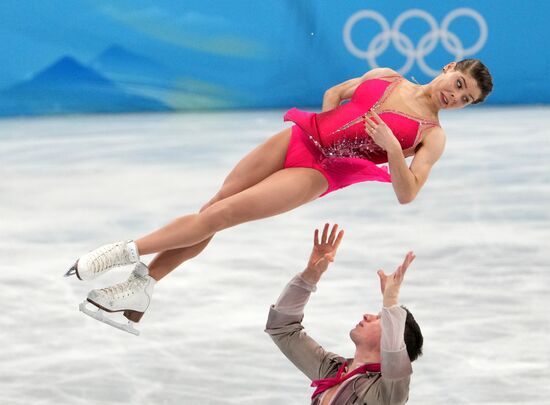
(391, 78)
(392, 85)
(429, 123)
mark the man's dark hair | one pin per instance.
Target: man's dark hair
(479, 73)
(413, 336)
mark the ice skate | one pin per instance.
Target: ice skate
(103, 259)
(132, 297)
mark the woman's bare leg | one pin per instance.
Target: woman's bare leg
(263, 161)
(284, 190)
(166, 261)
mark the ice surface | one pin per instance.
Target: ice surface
(479, 286)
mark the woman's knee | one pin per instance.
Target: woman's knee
(220, 195)
(205, 206)
(219, 216)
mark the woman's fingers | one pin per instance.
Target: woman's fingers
(376, 118)
(316, 237)
(369, 120)
(370, 124)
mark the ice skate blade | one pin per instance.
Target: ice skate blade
(99, 315)
(73, 271)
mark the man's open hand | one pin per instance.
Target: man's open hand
(390, 285)
(323, 253)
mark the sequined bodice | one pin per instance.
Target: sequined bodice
(341, 132)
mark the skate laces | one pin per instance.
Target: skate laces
(109, 256)
(126, 288)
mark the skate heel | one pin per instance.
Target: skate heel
(134, 316)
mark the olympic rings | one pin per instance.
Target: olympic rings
(405, 46)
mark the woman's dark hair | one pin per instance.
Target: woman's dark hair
(413, 336)
(479, 73)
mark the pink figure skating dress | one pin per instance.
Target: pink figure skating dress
(336, 144)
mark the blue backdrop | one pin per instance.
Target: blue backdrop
(134, 55)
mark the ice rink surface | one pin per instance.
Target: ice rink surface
(479, 287)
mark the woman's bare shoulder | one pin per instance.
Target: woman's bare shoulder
(433, 141)
(379, 72)
(436, 132)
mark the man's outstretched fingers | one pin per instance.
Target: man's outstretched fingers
(325, 234)
(408, 260)
(333, 234)
(338, 240)
(316, 237)
(383, 278)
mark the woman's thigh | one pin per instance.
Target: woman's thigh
(257, 165)
(282, 191)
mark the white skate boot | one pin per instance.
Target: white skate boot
(103, 259)
(132, 297)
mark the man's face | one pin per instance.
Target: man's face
(367, 332)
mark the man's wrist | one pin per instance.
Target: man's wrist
(390, 303)
(310, 276)
(389, 300)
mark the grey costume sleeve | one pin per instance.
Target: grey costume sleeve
(395, 362)
(284, 325)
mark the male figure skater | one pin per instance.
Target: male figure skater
(385, 344)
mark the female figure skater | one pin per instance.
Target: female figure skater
(386, 119)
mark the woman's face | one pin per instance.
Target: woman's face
(455, 89)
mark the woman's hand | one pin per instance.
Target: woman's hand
(323, 253)
(380, 133)
(390, 285)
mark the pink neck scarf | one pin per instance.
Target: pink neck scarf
(324, 384)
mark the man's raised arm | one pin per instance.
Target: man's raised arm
(395, 362)
(284, 323)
